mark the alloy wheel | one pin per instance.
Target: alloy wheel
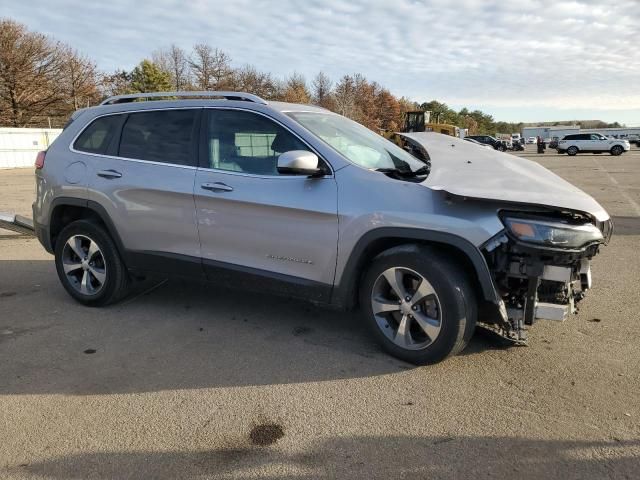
(84, 265)
(406, 308)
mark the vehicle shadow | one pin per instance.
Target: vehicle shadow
(173, 334)
(407, 457)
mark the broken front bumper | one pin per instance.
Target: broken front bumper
(537, 282)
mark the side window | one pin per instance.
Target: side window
(584, 137)
(165, 136)
(97, 136)
(246, 142)
(595, 137)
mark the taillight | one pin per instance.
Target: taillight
(40, 160)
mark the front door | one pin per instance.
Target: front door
(256, 225)
(596, 144)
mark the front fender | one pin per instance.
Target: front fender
(365, 249)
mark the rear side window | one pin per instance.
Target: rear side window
(97, 136)
(570, 137)
(165, 136)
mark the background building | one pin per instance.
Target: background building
(19, 146)
(560, 131)
(549, 132)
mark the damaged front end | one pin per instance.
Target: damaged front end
(540, 264)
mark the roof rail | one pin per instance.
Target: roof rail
(248, 97)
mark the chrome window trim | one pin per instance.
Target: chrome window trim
(189, 167)
(115, 157)
(254, 175)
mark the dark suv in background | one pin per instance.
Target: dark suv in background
(489, 140)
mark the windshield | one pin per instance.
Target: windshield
(357, 143)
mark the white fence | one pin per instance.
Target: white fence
(19, 146)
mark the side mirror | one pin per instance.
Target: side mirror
(298, 162)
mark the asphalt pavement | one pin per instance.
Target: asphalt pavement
(187, 380)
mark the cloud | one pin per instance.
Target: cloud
(555, 54)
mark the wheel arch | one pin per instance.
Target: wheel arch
(65, 210)
(616, 147)
(373, 243)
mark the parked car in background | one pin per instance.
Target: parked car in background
(515, 137)
(489, 140)
(592, 143)
(475, 142)
(531, 140)
(634, 139)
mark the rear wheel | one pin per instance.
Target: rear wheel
(616, 150)
(88, 264)
(418, 304)
(572, 151)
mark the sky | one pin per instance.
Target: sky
(519, 60)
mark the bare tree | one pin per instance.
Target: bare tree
(175, 62)
(322, 93)
(344, 95)
(250, 80)
(117, 83)
(79, 77)
(30, 64)
(211, 68)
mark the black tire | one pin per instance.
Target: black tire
(572, 151)
(117, 279)
(616, 150)
(452, 287)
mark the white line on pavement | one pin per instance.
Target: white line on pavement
(622, 190)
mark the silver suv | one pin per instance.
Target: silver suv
(429, 237)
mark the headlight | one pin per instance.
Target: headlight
(552, 234)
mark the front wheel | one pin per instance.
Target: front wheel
(616, 150)
(88, 264)
(418, 304)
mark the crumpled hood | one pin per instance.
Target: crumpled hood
(464, 169)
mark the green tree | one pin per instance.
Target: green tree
(148, 77)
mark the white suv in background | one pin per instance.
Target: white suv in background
(592, 143)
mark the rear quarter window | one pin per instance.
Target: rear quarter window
(97, 136)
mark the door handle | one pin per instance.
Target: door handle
(109, 174)
(217, 187)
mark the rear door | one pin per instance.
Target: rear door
(256, 225)
(145, 185)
